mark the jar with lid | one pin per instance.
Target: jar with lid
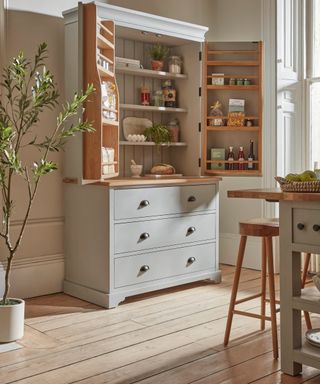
(145, 95)
(174, 130)
(169, 94)
(158, 98)
(239, 81)
(175, 64)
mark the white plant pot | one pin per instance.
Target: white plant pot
(12, 321)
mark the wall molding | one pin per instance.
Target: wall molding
(40, 220)
(35, 276)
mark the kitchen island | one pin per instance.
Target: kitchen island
(299, 232)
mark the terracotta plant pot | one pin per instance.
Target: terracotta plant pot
(157, 65)
(12, 321)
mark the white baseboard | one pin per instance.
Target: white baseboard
(229, 245)
(35, 276)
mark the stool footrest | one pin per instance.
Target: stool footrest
(249, 314)
(248, 298)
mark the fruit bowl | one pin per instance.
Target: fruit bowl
(298, 186)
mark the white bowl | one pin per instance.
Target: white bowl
(136, 170)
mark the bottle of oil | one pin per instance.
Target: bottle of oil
(251, 157)
(230, 158)
(241, 165)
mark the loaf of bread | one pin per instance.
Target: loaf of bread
(162, 169)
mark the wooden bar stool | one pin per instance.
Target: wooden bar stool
(266, 229)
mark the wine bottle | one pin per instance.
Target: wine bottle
(230, 158)
(251, 157)
(241, 166)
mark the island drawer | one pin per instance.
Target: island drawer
(306, 226)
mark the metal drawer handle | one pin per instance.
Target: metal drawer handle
(144, 203)
(144, 268)
(300, 226)
(316, 227)
(191, 198)
(144, 236)
(191, 230)
(191, 260)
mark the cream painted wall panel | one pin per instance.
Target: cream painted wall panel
(39, 263)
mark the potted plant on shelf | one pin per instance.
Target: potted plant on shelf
(158, 133)
(26, 90)
(158, 53)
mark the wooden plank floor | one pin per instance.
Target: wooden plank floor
(172, 336)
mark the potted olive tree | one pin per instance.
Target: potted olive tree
(26, 90)
(158, 53)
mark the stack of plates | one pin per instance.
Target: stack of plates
(313, 337)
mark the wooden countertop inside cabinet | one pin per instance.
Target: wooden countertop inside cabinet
(274, 194)
(141, 181)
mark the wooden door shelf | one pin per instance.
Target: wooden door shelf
(109, 122)
(235, 60)
(152, 144)
(103, 43)
(104, 72)
(151, 108)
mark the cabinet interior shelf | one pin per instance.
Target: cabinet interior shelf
(238, 63)
(234, 87)
(232, 162)
(151, 143)
(226, 117)
(233, 129)
(136, 107)
(232, 76)
(150, 73)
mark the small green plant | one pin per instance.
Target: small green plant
(157, 133)
(158, 52)
(26, 90)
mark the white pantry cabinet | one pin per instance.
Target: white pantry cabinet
(125, 236)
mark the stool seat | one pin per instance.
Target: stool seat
(261, 227)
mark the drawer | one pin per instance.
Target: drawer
(306, 226)
(158, 265)
(143, 202)
(146, 234)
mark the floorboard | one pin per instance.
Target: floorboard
(172, 336)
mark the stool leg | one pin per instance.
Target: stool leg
(303, 283)
(263, 284)
(235, 286)
(272, 297)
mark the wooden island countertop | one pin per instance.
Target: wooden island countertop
(274, 195)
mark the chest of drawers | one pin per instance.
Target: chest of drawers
(127, 240)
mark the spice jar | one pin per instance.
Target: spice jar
(239, 81)
(246, 82)
(145, 96)
(158, 99)
(174, 128)
(232, 81)
(175, 64)
(169, 94)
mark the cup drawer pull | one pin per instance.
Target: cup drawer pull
(191, 260)
(144, 236)
(316, 227)
(191, 230)
(144, 268)
(144, 203)
(192, 198)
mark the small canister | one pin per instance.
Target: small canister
(145, 96)
(174, 129)
(246, 82)
(232, 81)
(239, 81)
(175, 64)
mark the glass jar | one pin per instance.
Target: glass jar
(232, 81)
(174, 129)
(239, 81)
(175, 64)
(109, 101)
(145, 96)
(158, 99)
(246, 82)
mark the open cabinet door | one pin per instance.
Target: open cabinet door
(100, 148)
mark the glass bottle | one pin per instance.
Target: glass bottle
(175, 64)
(230, 158)
(241, 166)
(251, 157)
